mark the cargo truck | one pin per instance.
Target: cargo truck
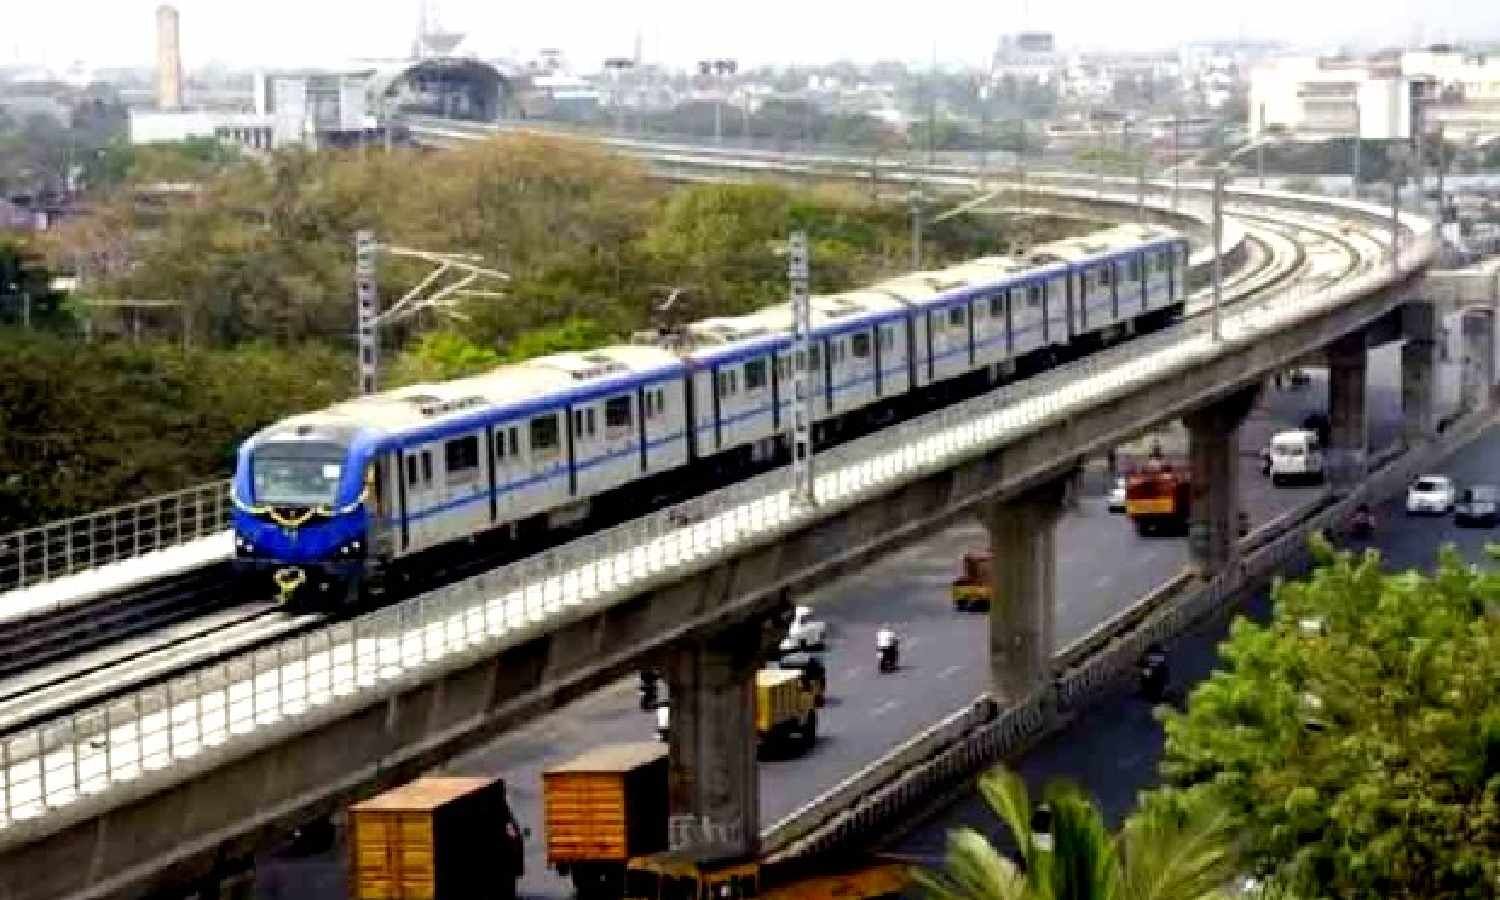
(786, 715)
(710, 873)
(603, 808)
(972, 588)
(435, 839)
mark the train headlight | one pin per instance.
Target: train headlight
(352, 548)
(242, 546)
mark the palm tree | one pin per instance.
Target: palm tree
(1158, 855)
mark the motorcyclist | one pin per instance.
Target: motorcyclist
(1362, 523)
(888, 646)
(663, 721)
(649, 692)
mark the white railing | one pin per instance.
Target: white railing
(36, 555)
(314, 676)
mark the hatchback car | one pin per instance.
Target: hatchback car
(1431, 495)
(1477, 504)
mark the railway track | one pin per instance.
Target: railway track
(189, 631)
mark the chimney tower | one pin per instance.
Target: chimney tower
(168, 60)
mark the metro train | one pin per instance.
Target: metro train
(346, 497)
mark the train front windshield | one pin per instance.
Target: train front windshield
(303, 473)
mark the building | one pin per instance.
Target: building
(1027, 56)
(1317, 98)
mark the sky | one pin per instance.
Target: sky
(330, 32)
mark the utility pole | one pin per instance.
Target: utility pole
(915, 199)
(1397, 163)
(1260, 149)
(1176, 160)
(984, 128)
(1099, 187)
(1214, 319)
(803, 492)
(932, 109)
(367, 309)
(1358, 144)
(368, 317)
(1442, 166)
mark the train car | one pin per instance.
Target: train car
(344, 496)
(338, 497)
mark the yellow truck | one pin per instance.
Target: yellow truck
(971, 590)
(708, 873)
(435, 839)
(786, 712)
(601, 809)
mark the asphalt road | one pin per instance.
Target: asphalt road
(1102, 566)
(1114, 750)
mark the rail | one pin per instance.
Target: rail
(163, 732)
(37, 555)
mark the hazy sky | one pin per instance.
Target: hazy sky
(326, 32)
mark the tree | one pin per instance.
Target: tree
(1354, 740)
(1160, 854)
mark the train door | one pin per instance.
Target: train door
(509, 469)
(545, 483)
(422, 498)
(465, 487)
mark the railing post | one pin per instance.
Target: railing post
(77, 768)
(41, 766)
(10, 815)
(171, 724)
(109, 743)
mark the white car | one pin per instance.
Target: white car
(805, 632)
(1295, 456)
(1430, 494)
(1117, 496)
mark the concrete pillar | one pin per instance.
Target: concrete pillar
(1214, 465)
(1348, 435)
(1418, 372)
(1478, 374)
(714, 784)
(1023, 584)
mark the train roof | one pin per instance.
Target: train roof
(420, 405)
(1100, 244)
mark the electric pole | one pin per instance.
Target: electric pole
(1214, 320)
(1176, 160)
(367, 309)
(803, 490)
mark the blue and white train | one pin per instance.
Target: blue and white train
(371, 486)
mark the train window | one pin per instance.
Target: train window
(726, 383)
(1106, 274)
(461, 456)
(755, 375)
(499, 444)
(859, 345)
(784, 367)
(617, 412)
(814, 358)
(588, 416)
(997, 305)
(427, 467)
(956, 316)
(1034, 296)
(661, 400)
(1133, 270)
(515, 441)
(887, 337)
(411, 471)
(544, 433)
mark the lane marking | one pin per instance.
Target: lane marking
(887, 706)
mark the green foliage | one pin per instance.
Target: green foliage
(1158, 855)
(440, 356)
(83, 427)
(1354, 741)
(576, 333)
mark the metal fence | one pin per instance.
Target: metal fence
(311, 677)
(41, 554)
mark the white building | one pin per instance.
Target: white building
(299, 107)
(1320, 97)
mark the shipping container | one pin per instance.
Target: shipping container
(435, 839)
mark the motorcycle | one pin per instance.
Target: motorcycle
(1362, 523)
(889, 657)
(1154, 674)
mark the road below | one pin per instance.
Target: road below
(1102, 566)
(1114, 750)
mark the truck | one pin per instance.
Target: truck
(601, 809)
(972, 588)
(1158, 489)
(435, 839)
(716, 873)
(786, 714)
(785, 710)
